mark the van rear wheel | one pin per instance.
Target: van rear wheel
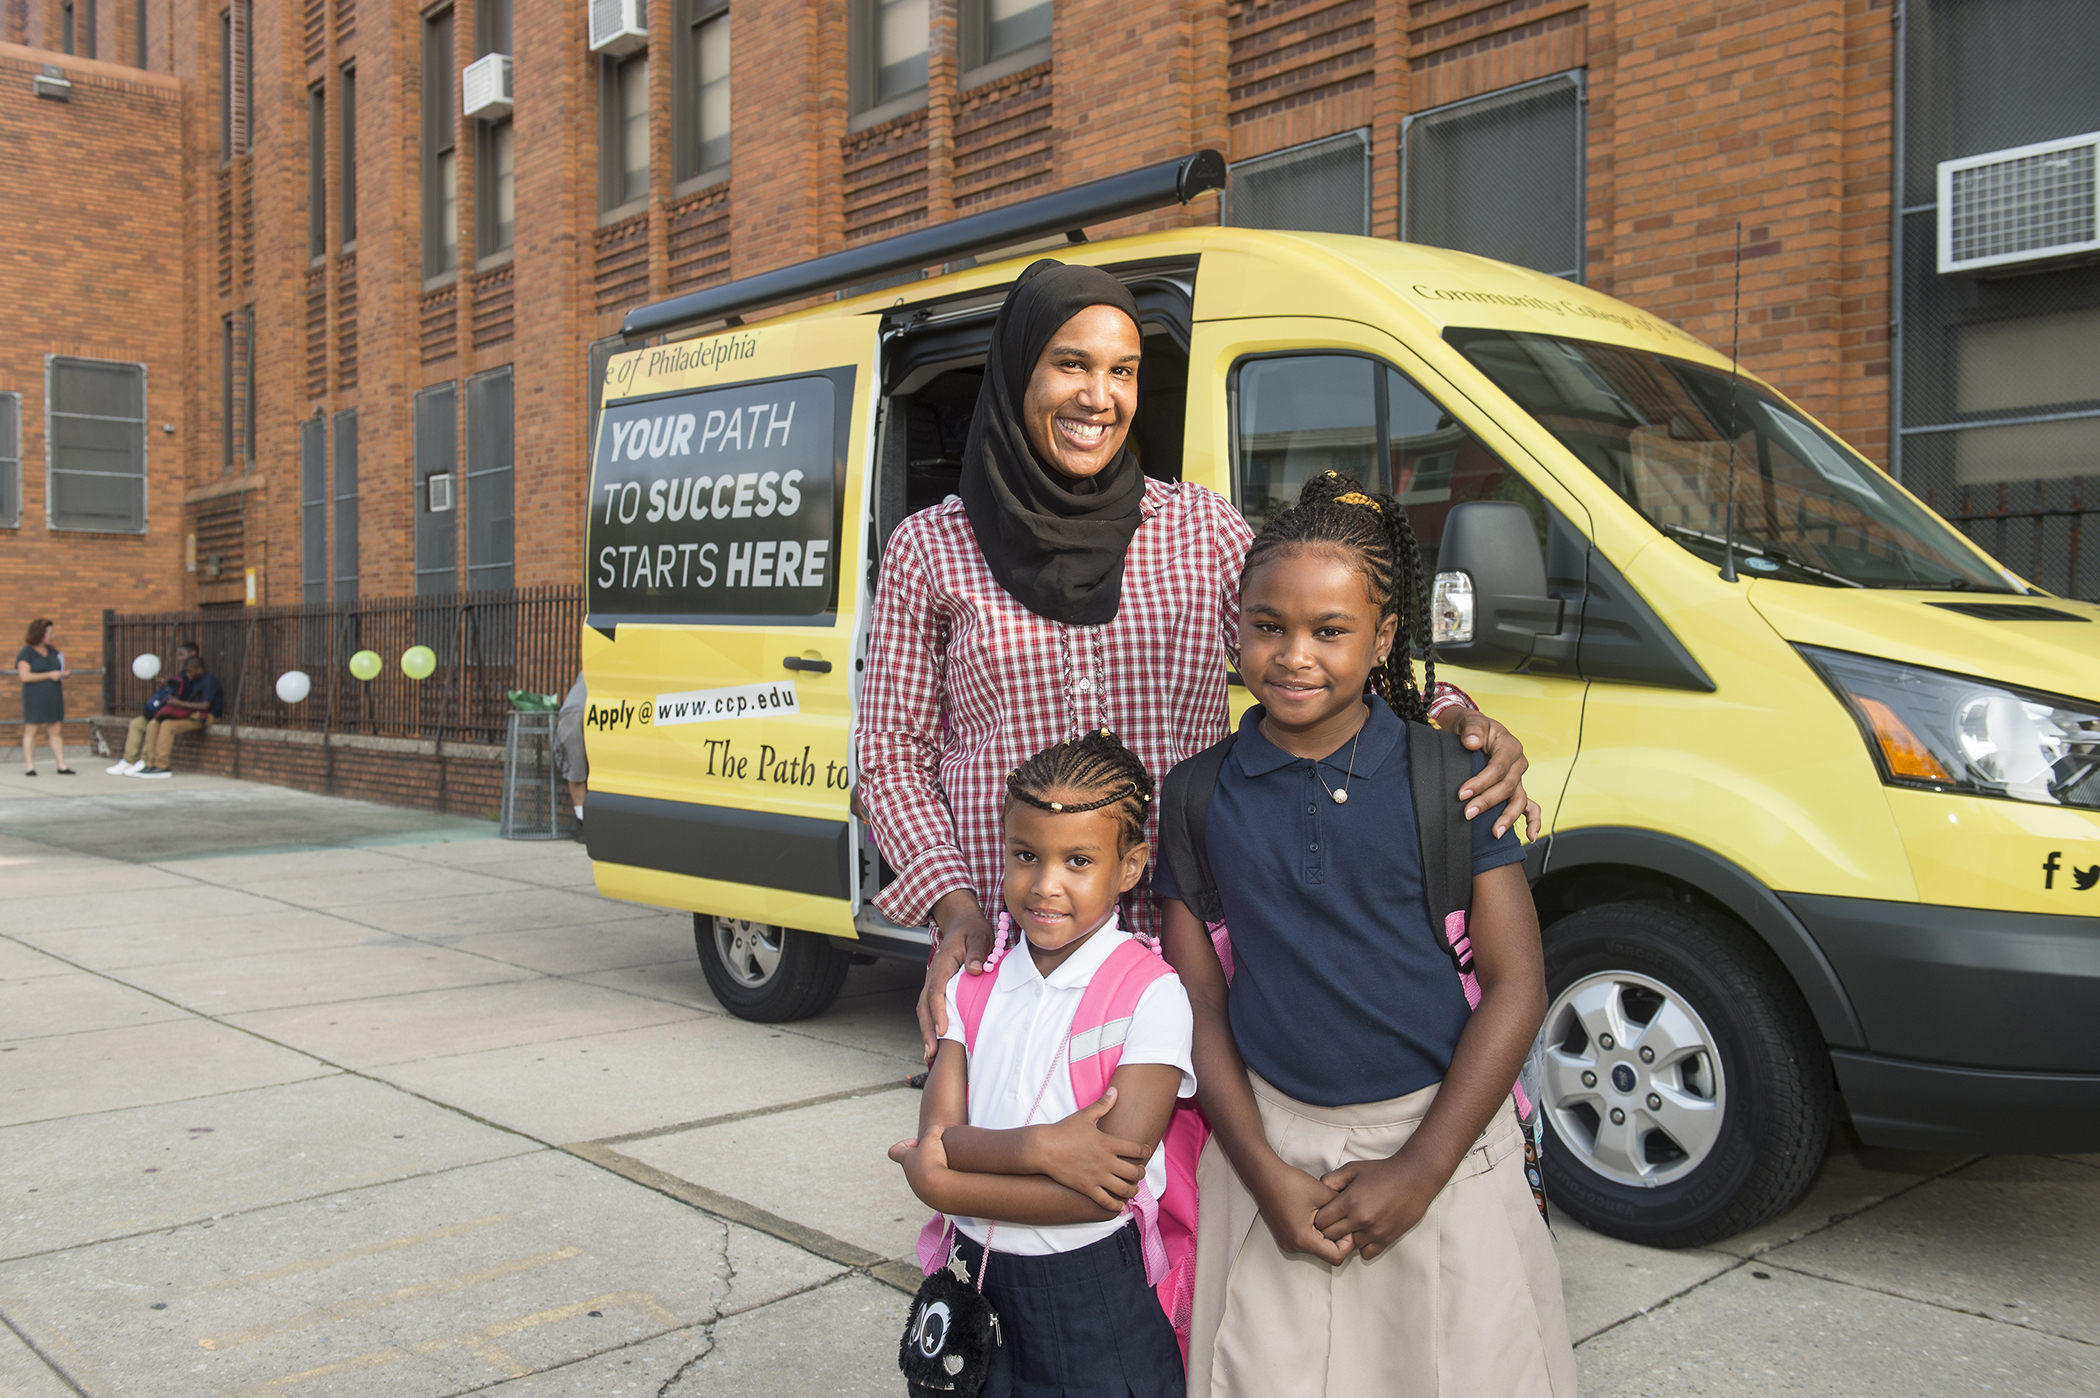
(767, 973)
(1687, 1090)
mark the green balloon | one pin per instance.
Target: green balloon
(418, 662)
(365, 664)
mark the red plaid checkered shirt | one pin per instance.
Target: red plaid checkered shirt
(964, 683)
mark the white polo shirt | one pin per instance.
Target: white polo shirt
(1024, 1028)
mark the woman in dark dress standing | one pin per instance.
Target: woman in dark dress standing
(42, 667)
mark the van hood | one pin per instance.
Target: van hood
(1940, 631)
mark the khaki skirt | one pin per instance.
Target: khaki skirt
(1466, 1305)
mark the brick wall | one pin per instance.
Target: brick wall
(1700, 114)
(91, 228)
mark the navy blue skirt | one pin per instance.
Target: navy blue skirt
(1078, 1324)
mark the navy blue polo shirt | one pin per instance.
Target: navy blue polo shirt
(1342, 991)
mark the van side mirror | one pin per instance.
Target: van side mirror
(1488, 605)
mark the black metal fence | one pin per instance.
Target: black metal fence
(487, 644)
(2046, 531)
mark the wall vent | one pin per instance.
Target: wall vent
(440, 487)
(618, 26)
(484, 87)
(2011, 209)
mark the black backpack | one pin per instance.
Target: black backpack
(1438, 763)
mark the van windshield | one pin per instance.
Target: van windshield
(1656, 430)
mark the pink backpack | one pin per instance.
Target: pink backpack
(1167, 1226)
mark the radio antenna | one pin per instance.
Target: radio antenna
(1735, 379)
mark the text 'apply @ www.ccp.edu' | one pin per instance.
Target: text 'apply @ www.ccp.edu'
(696, 706)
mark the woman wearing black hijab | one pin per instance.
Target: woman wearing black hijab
(1063, 591)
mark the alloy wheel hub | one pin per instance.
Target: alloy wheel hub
(1634, 1086)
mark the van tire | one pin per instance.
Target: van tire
(798, 976)
(1713, 980)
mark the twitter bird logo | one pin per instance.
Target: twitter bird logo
(2086, 878)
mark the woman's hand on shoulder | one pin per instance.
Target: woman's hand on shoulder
(966, 940)
(1502, 779)
(1377, 1201)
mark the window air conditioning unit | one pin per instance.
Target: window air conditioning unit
(440, 486)
(618, 26)
(485, 87)
(2019, 207)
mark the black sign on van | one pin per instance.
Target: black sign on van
(720, 502)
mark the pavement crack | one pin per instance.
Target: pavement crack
(679, 1377)
(34, 1348)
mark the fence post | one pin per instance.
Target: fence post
(109, 660)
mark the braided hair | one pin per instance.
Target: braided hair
(1334, 509)
(1097, 768)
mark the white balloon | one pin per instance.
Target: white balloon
(146, 666)
(293, 686)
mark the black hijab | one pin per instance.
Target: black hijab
(1056, 544)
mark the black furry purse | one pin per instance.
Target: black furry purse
(950, 1334)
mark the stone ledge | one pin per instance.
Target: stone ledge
(355, 742)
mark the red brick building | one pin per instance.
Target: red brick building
(343, 278)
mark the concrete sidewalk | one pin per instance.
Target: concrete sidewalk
(304, 1096)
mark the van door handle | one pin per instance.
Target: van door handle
(815, 667)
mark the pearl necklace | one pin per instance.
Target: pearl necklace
(1341, 798)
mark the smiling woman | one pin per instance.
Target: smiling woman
(1063, 591)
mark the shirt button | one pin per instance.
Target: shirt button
(1309, 810)
(1314, 846)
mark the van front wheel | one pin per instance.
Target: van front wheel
(766, 973)
(1687, 1091)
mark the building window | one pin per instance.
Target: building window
(65, 26)
(10, 460)
(889, 56)
(489, 477)
(346, 506)
(316, 171)
(491, 27)
(90, 49)
(313, 511)
(1319, 187)
(495, 187)
(229, 374)
(1996, 383)
(247, 321)
(138, 32)
(623, 87)
(437, 475)
(440, 153)
(1500, 175)
(236, 78)
(95, 445)
(346, 193)
(226, 85)
(703, 91)
(1002, 36)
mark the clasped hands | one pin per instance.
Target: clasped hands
(1364, 1206)
(1107, 1170)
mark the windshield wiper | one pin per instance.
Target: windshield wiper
(1775, 555)
(1950, 585)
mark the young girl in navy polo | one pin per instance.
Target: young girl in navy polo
(1360, 1110)
(1051, 1196)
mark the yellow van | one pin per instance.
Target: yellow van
(1822, 779)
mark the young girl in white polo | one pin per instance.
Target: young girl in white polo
(1367, 1226)
(1052, 1200)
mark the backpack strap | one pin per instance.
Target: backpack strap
(1102, 1021)
(1183, 820)
(972, 995)
(1438, 764)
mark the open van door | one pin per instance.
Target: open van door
(726, 594)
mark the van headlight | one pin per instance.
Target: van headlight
(1451, 610)
(1952, 733)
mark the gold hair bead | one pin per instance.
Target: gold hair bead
(1057, 806)
(1357, 497)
